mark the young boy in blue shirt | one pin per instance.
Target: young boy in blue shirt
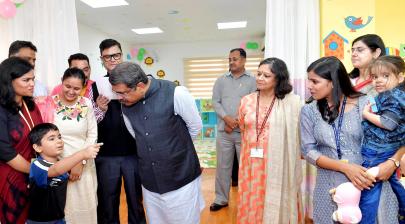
(48, 175)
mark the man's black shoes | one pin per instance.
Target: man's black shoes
(215, 207)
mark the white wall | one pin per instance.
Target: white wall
(170, 56)
(89, 40)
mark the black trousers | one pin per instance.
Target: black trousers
(111, 172)
(235, 170)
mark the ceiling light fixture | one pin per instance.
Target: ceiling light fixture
(173, 12)
(104, 3)
(147, 30)
(231, 25)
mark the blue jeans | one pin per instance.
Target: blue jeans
(370, 199)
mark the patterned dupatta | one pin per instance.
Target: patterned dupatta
(283, 203)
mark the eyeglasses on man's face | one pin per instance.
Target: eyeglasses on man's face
(109, 57)
(124, 94)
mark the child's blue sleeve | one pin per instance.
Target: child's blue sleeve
(39, 174)
(391, 108)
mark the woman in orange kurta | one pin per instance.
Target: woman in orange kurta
(270, 167)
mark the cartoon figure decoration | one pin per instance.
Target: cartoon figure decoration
(355, 23)
(347, 198)
(148, 61)
(209, 132)
(334, 45)
(177, 82)
(161, 74)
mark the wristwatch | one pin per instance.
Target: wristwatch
(396, 162)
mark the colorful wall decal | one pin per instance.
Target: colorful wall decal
(392, 51)
(148, 61)
(252, 45)
(402, 50)
(206, 105)
(8, 8)
(161, 74)
(209, 118)
(334, 45)
(141, 54)
(355, 23)
(205, 143)
(209, 131)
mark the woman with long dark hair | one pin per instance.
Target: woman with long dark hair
(331, 133)
(18, 115)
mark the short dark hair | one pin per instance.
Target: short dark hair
(331, 68)
(107, 43)
(372, 41)
(75, 73)
(128, 73)
(279, 69)
(18, 44)
(78, 56)
(242, 52)
(10, 69)
(39, 131)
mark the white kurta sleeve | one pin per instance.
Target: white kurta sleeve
(185, 107)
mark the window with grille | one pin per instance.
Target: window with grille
(200, 74)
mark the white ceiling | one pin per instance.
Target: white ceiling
(196, 20)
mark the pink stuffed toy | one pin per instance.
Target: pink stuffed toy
(347, 198)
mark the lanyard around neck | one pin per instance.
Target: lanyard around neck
(29, 115)
(259, 131)
(336, 130)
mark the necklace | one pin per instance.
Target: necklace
(29, 115)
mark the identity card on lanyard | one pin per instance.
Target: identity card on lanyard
(258, 152)
(336, 130)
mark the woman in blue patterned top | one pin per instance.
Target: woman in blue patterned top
(384, 131)
(331, 134)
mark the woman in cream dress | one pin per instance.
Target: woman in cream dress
(76, 121)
